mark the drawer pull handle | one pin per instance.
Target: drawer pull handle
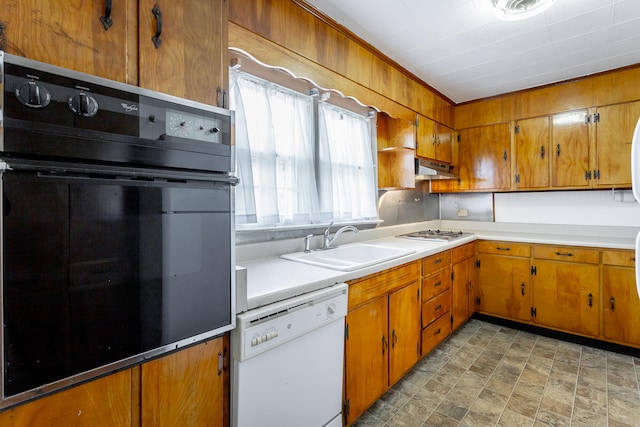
(438, 307)
(633, 259)
(157, 13)
(438, 261)
(503, 249)
(564, 254)
(437, 332)
(590, 300)
(613, 303)
(438, 283)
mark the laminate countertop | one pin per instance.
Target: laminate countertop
(266, 278)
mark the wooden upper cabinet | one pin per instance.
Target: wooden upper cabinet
(70, 35)
(531, 137)
(396, 154)
(433, 140)
(484, 157)
(614, 130)
(190, 61)
(570, 149)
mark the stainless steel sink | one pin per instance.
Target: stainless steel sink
(349, 257)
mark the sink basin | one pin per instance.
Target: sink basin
(349, 257)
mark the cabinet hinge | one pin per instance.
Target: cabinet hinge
(477, 300)
(533, 312)
(346, 331)
(596, 117)
(459, 138)
(534, 270)
(346, 406)
(587, 119)
(587, 175)
(518, 179)
(596, 174)
(453, 275)
(516, 129)
(477, 263)
(451, 320)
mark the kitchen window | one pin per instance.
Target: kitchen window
(300, 159)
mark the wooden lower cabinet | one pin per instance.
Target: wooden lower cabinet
(382, 337)
(503, 279)
(621, 304)
(436, 300)
(566, 288)
(463, 284)
(184, 388)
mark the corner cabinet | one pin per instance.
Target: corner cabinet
(396, 153)
(190, 60)
(504, 271)
(484, 160)
(382, 335)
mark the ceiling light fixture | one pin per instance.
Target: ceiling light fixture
(515, 10)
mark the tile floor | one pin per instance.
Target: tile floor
(489, 375)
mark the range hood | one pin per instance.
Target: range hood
(431, 169)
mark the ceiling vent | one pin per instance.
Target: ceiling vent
(515, 10)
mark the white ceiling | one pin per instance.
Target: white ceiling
(461, 49)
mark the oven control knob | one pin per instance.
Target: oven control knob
(33, 95)
(83, 105)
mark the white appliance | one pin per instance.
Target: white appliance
(288, 362)
(635, 184)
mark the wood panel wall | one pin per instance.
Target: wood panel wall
(308, 42)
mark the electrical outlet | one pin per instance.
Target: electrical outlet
(463, 212)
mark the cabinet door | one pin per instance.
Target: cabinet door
(621, 305)
(366, 356)
(444, 143)
(460, 295)
(186, 388)
(404, 330)
(103, 402)
(565, 296)
(425, 137)
(532, 153)
(503, 286)
(70, 35)
(614, 131)
(190, 61)
(484, 157)
(570, 149)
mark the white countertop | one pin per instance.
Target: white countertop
(270, 279)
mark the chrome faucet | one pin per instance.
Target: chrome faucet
(329, 240)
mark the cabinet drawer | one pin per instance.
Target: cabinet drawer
(436, 283)
(567, 253)
(435, 333)
(504, 248)
(435, 262)
(385, 282)
(463, 252)
(619, 257)
(436, 307)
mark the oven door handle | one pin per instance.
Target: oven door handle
(112, 173)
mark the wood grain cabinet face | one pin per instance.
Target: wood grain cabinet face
(532, 154)
(433, 140)
(621, 304)
(382, 338)
(396, 153)
(71, 35)
(570, 149)
(463, 284)
(436, 300)
(504, 274)
(615, 125)
(566, 288)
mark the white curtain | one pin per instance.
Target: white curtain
(347, 178)
(275, 153)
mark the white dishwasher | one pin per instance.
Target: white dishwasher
(288, 362)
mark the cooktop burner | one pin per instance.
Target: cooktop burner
(435, 235)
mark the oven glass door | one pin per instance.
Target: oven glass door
(98, 270)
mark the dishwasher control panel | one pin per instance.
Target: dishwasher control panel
(264, 328)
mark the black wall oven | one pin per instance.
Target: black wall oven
(117, 226)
